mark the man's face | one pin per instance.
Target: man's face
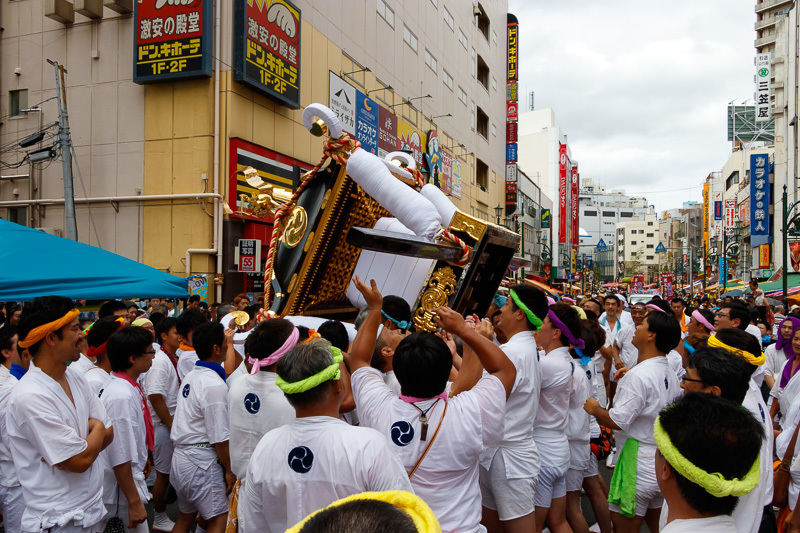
(171, 340)
(193, 304)
(14, 318)
(692, 383)
(544, 337)
(641, 334)
(796, 343)
(611, 306)
(722, 319)
(589, 305)
(132, 314)
(12, 356)
(638, 312)
(786, 329)
(728, 299)
(124, 314)
(507, 315)
(244, 302)
(68, 347)
(677, 308)
(143, 363)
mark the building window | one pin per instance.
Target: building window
(462, 96)
(17, 101)
(430, 61)
(590, 213)
(386, 13)
(473, 115)
(733, 179)
(626, 214)
(448, 79)
(649, 223)
(18, 215)
(609, 213)
(474, 63)
(409, 38)
(482, 124)
(633, 243)
(650, 257)
(650, 246)
(651, 234)
(483, 73)
(483, 22)
(462, 38)
(482, 174)
(448, 18)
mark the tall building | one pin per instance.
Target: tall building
(166, 108)
(602, 210)
(636, 246)
(768, 12)
(541, 147)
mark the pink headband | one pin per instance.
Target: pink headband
(654, 307)
(276, 355)
(700, 318)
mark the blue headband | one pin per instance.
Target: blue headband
(402, 324)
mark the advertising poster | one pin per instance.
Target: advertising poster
(562, 193)
(574, 180)
(198, 284)
(342, 101)
(760, 201)
(266, 48)
(387, 132)
(412, 140)
(446, 180)
(457, 173)
(172, 41)
(367, 122)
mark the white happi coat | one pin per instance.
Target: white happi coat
(45, 428)
(310, 463)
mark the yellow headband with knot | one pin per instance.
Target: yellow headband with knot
(714, 342)
(714, 483)
(40, 332)
(419, 511)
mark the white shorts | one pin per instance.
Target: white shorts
(551, 485)
(648, 495)
(591, 467)
(511, 498)
(573, 481)
(162, 454)
(12, 506)
(199, 491)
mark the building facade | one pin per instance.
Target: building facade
(158, 162)
(636, 246)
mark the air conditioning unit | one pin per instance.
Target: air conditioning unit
(51, 231)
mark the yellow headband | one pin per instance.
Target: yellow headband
(714, 342)
(715, 484)
(419, 511)
(40, 332)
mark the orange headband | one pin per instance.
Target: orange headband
(40, 332)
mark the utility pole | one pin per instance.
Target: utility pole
(66, 152)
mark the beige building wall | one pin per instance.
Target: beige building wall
(159, 139)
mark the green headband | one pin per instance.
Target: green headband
(331, 372)
(533, 319)
(715, 483)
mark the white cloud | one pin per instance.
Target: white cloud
(640, 88)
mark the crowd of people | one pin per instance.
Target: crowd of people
(495, 423)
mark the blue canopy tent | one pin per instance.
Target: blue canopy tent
(34, 263)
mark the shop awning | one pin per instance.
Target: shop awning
(546, 288)
(38, 264)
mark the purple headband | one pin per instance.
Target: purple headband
(654, 307)
(781, 342)
(276, 355)
(577, 343)
(697, 315)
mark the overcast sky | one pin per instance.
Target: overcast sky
(640, 88)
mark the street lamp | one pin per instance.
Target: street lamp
(787, 210)
(498, 212)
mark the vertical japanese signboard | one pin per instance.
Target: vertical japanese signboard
(367, 122)
(446, 181)
(760, 201)
(249, 255)
(412, 140)
(342, 101)
(266, 48)
(706, 225)
(172, 41)
(574, 204)
(666, 285)
(730, 213)
(637, 282)
(513, 48)
(511, 188)
(456, 172)
(562, 193)
(387, 132)
(763, 73)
